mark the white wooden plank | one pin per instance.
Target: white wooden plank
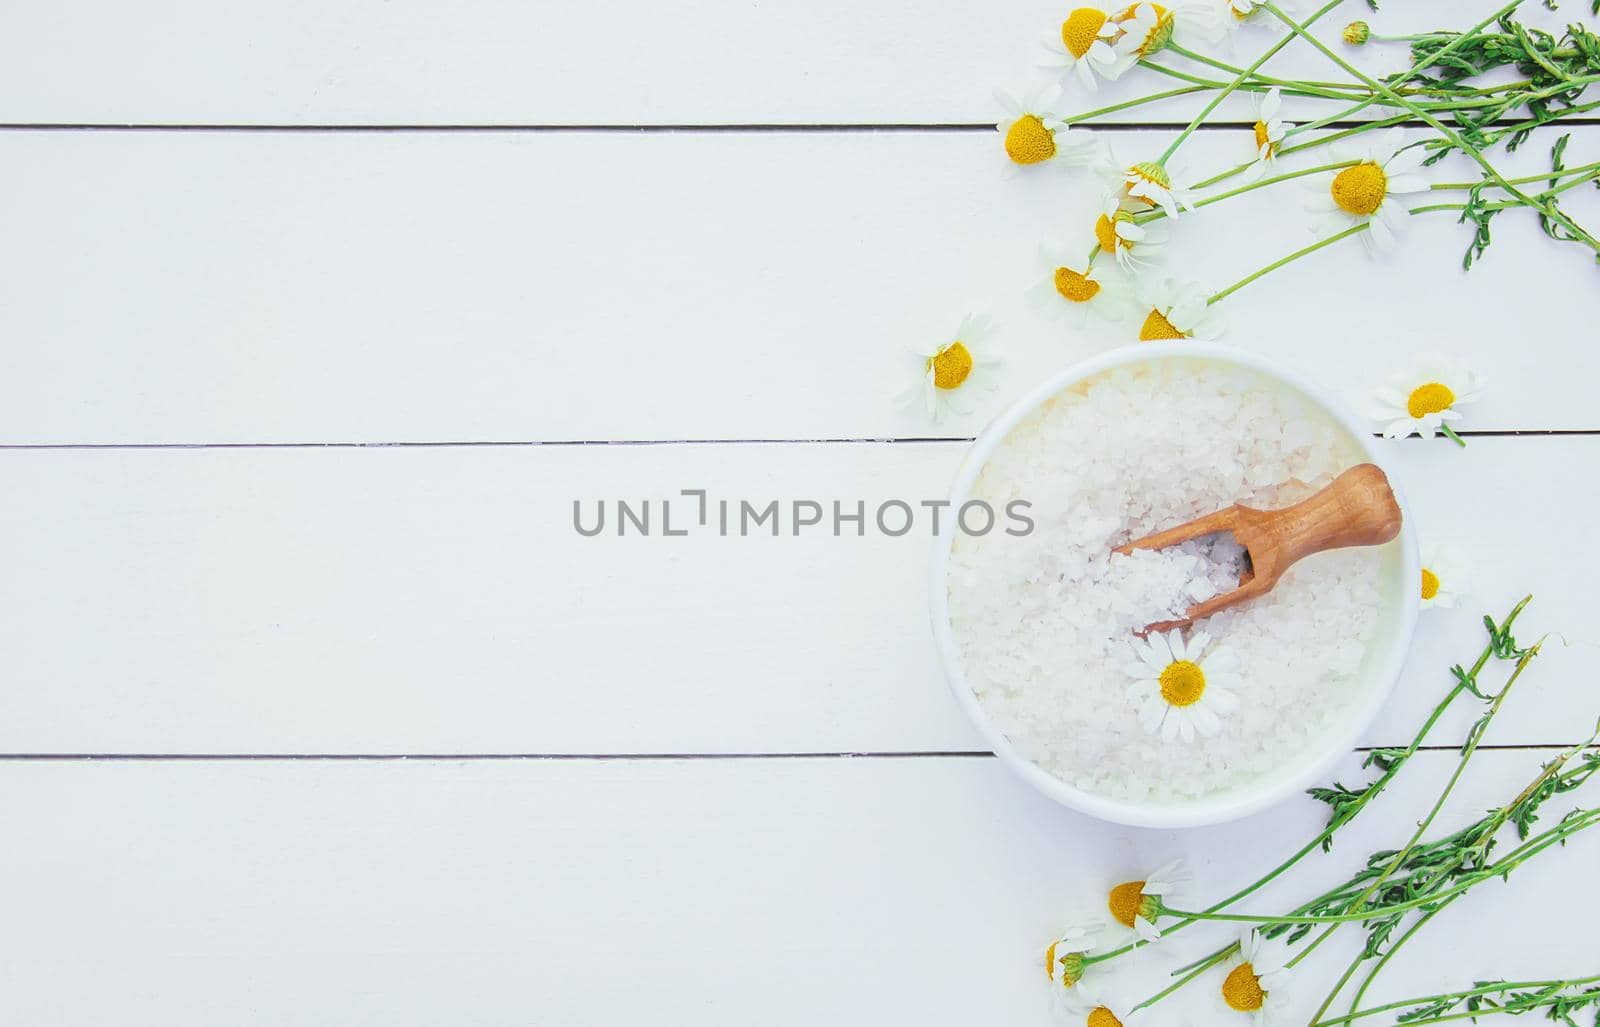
(437, 600)
(782, 892)
(279, 288)
(612, 62)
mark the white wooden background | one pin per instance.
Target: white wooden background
(317, 317)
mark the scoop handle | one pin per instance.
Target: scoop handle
(1357, 508)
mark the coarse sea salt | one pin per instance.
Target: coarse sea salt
(1044, 621)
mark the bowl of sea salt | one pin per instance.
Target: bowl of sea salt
(1036, 630)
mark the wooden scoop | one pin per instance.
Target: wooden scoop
(1356, 509)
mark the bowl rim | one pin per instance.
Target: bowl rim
(1234, 803)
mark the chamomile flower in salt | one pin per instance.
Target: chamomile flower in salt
(1071, 289)
(1184, 695)
(1426, 398)
(1033, 133)
(1366, 192)
(1085, 49)
(1176, 310)
(1269, 130)
(1063, 957)
(1136, 905)
(1148, 27)
(951, 372)
(1086, 1006)
(1257, 984)
(1445, 577)
(1133, 245)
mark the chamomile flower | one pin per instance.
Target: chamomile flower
(1033, 133)
(1063, 957)
(1176, 310)
(1086, 1006)
(1184, 696)
(1071, 289)
(1149, 184)
(1136, 905)
(1257, 984)
(1269, 130)
(1366, 192)
(1148, 27)
(1445, 577)
(1133, 245)
(1085, 49)
(952, 371)
(1426, 398)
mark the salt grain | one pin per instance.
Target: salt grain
(1044, 621)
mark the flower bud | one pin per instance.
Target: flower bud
(1357, 33)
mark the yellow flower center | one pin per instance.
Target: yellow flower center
(1074, 286)
(1100, 1016)
(1160, 35)
(1430, 584)
(1183, 683)
(1105, 233)
(951, 366)
(1028, 141)
(1361, 189)
(1431, 398)
(1262, 139)
(1241, 15)
(1081, 29)
(1125, 902)
(1155, 327)
(1242, 989)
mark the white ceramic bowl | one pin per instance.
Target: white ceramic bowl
(1399, 573)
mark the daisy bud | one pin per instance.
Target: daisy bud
(1357, 33)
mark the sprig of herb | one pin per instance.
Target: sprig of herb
(1501, 645)
(1562, 999)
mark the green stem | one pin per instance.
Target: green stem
(1399, 943)
(1461, 685)
(1552, 213)
(1325, 837)
(1396, 119)
(1398, 860)
(1238, 81)
(1499, 869)
(1127, 104)
(1249, 86)
(1450, 433)
(1511, 1008)
(1157, 214)
(1484, 989)
(1333, 137)
(1506, 205)
(1204, 966)
(1233, 69)
(1296, 255)
(1285, 151)
(1421, 66)
(1550, 176)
